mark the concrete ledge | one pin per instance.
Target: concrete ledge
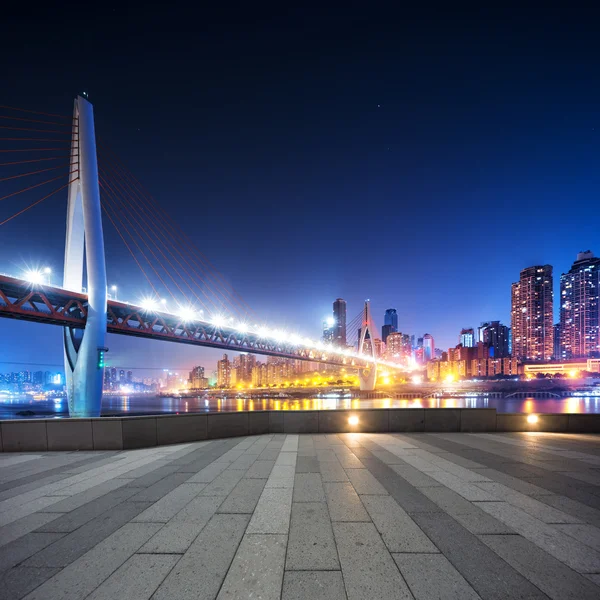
(477, 419)
(139, 432)
(407, 420)
(122, 433)
(175, 429)
(69, 434)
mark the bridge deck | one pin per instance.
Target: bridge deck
(354, 516)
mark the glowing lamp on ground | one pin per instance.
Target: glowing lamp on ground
(353, 420)
(417, 379)
(573, 373)
(532, 419)
(449, 378)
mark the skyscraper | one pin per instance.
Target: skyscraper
(532, 314)
(428, 347)
(339, 319)
(496, 337)
(557, 354)
(390, 323)
(223, 372)
(580, 308)
(467, 338)
(328, 329)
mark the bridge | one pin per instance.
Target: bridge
(187, 300)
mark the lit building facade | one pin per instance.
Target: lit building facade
(467, 337)
(224, 372)
(580, 308)
(428, 347)
(390, 323)
(496, 337)
(339, 322)
(532, 314)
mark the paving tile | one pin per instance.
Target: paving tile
(364, 482)
(269, 453)
(148, 475)
(398, 531)
(209, 473)
(492, 579)
(170, 504)
(286, 459)
(261, 469)
(546, 572)
(584, 533)
(343, 503)
(223, 484)
(332, 471)
(200, 572)
(19, 581)
(311, 545)
(272, 513)
(19, 528)
(21, 549)
(368, 569)
(308, 488)
(313, 585)
(244, 496)
(86, 573)
(257, 569)
(469, 491)
(281, 477)
(244, 462)
(432, 577)
(137, 579)
(199, 510)
(415, 477)
(156, 491)
(307, 464)
(70, 547)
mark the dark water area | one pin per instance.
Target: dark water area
(19, 407)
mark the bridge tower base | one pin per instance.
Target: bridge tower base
(367, 375)
(84, 351)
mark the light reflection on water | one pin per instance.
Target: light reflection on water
(139, 405)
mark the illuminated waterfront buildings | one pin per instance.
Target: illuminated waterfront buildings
(580, 308)
(224, 372)
(496, 337)
(532, 314)
(339, 322)
(390, 323)
(428, 347)
(467, 338)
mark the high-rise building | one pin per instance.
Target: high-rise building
(428, 347)
(532, 314)
(197, 379)
(339, 322)
(224, 372)
(393, 345)
(496, 337)
(467, 338)
(580, 308)
(390, 323)
(379, 347)
(328, 329)
(557, 354)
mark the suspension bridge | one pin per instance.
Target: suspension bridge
(45, 156)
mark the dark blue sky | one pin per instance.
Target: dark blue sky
(420, 160)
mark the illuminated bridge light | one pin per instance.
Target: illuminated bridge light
(148, 304)
(187, 313)
(218, 321)
(34, 277)
(242, 327)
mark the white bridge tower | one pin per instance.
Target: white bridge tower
(368, 374)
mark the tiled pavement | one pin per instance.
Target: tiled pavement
(357, 516)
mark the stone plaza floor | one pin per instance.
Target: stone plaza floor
(357, 516)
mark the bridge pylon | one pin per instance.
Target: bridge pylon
(84, 350)
(367, 375)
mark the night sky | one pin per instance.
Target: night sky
(417, 159)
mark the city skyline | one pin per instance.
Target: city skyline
(296, 163)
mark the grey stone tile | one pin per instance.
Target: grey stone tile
(244, 497)
(469, 491)
(584, 533)
(244, 462)
(156, 491)
(199, 510)
(223, 484)
(307, 464)
(549, 574)
(344, 503)
(313, 585)
(286, 459)
(19, 581)
(593, 578)
(170, 504)
(19, 528)
(22, 548)
(332, 471)
(349, 461)
(73, 520)
(269, 453)
(579, 557)
(432, 577)
(398, 531)
(148, 475)
(209, 473)
(200, 572)
(70, 547)
(261, 469)
(311, 545)
(308, 488)
(513, 482)
(572, 507)
(281, 477)
(85, 574)
(491, 578)
(257, 569)
(364, 482)
(272, 513)
(368, 569)
(137, 579)
(415, 477)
